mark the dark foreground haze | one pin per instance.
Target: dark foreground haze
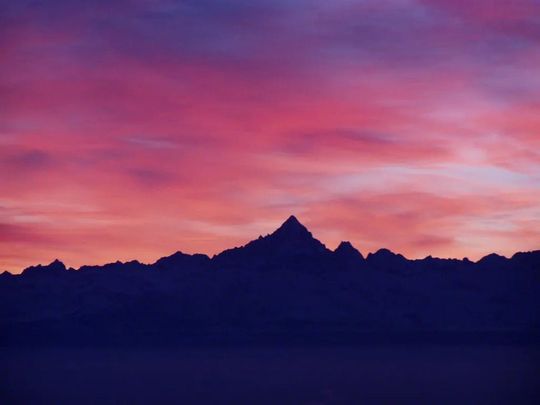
(393, 374)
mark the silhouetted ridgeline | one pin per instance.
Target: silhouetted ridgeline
(284, 287)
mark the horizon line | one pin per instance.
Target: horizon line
(290, 218)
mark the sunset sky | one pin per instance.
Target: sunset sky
(132, 129)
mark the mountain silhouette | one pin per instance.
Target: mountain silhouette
(285, 286)
(54, 267)
(386, 259)
(290, 244)
(348, 257)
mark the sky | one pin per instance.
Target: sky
(132, 129)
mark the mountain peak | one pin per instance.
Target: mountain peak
(53, 267)
(291, 239)
(57, 264)
(345, 245)
(384, 252)
(292, 221)
(347, 250)
(292, 226)
(385, 258)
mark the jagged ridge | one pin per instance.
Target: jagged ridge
(286, 284)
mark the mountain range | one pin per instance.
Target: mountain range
(283, 287)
